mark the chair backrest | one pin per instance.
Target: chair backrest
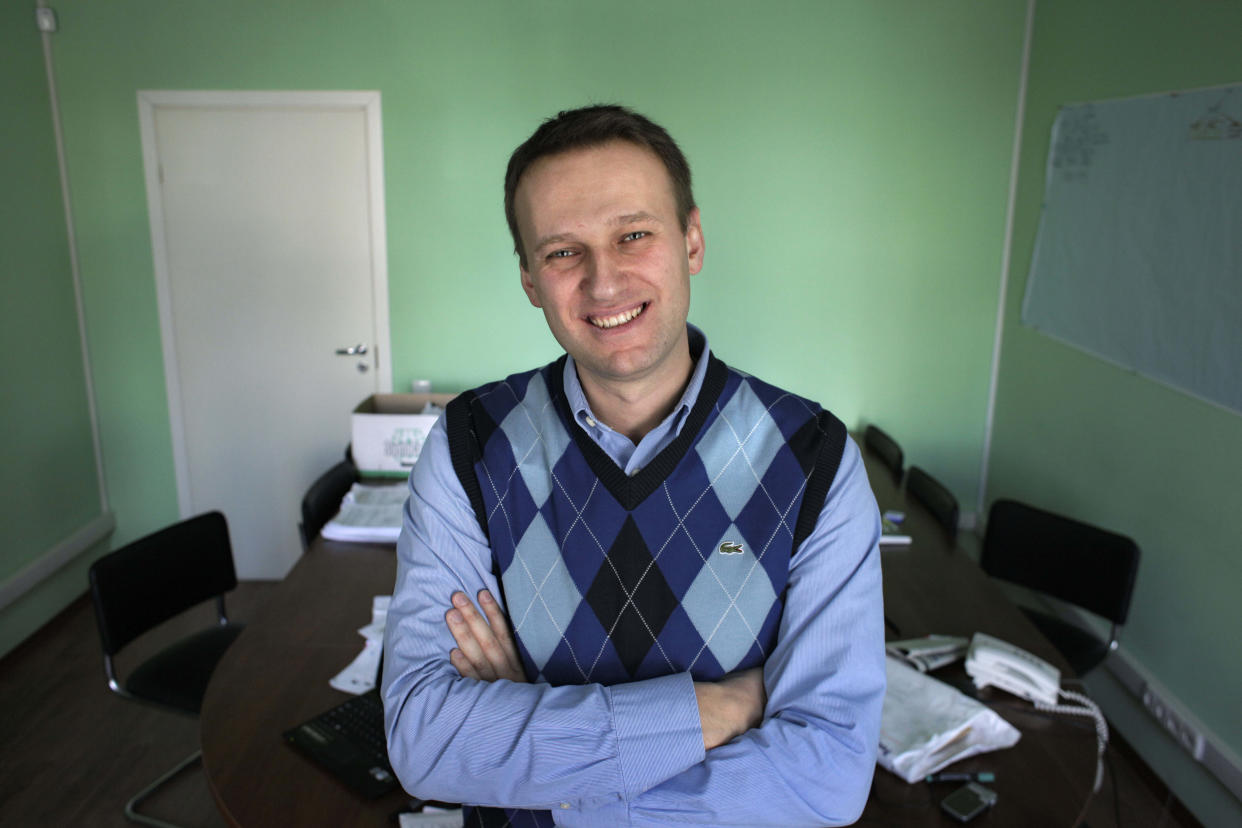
(886, 448)
(154, 578)
(1074, 561)
(938, 499)
(323, 499)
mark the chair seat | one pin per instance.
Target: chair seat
(177, 676)
(1081, 649)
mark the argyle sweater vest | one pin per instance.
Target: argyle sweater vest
(681, 567)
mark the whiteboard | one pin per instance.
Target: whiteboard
(1138, 259)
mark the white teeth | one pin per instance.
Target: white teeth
(618, 319)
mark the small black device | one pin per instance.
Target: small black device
(347, 740)
(968, 801)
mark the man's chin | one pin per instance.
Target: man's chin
(614, 367)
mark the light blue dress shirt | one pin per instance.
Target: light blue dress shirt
(632, 754)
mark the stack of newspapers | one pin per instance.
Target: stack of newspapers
(369, 514)
(929, 652)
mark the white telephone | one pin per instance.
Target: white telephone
(990, 661)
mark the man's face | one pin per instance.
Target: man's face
(608, 262)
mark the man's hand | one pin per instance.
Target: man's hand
(485, 648)
(731, 706)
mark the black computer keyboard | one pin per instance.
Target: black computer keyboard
(347, 740)
(361, 720)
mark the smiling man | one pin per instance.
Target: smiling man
(675, 565)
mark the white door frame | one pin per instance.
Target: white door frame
(148, 101)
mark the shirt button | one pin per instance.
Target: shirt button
(591, 423)
(564, 806)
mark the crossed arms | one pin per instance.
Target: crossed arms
(485, 652)
(463, 728)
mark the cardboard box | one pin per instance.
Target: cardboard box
(388, 431)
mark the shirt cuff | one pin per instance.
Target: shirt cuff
(658, 730)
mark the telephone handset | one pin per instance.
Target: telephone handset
(990, 661)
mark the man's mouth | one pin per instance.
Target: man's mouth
(617, 318)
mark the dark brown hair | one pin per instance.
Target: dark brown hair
(591, 126)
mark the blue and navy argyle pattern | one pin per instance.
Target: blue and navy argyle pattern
(680, 568)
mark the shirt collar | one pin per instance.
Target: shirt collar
(699, 352)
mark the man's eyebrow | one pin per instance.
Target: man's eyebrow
(556, 238)
(634, 218)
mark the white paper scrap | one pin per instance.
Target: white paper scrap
(359, 676)
(432, 818)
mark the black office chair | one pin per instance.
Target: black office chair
(938, 499)
(323, 499)
(142, 585)
(886, 448)
(1073, 561)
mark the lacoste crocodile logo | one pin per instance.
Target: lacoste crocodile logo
(730, 548)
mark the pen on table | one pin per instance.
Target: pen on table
(983, 776)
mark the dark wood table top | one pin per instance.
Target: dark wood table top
(276, 676)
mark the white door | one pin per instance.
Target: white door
(268, 233)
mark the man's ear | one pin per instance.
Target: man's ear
(694, 240)
(528, 285)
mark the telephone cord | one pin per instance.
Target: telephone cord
(1091, 710)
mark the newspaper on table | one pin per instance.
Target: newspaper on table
(929, 652)
(927, 725)
(369, 514)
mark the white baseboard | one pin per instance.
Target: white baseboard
(26, 579)
(1216, 756)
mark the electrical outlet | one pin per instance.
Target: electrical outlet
(1186, 734)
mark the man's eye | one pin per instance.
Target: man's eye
(635, 236)
(560, 254)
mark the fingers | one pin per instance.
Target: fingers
(485, 648)
(470, 631)
(499, 625)
(463, 665)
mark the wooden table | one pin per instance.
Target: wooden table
(276, 676)
(931, 587)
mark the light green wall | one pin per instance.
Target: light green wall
(48, 476)
(1083, 437)
(851, 159)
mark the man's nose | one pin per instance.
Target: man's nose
(605, 275)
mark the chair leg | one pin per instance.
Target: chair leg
(131, 807)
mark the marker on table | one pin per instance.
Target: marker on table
(983, 776)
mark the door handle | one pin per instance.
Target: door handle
(353, 350)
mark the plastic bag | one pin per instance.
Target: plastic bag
(927, 725)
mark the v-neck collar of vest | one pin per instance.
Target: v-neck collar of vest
(631, 491)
